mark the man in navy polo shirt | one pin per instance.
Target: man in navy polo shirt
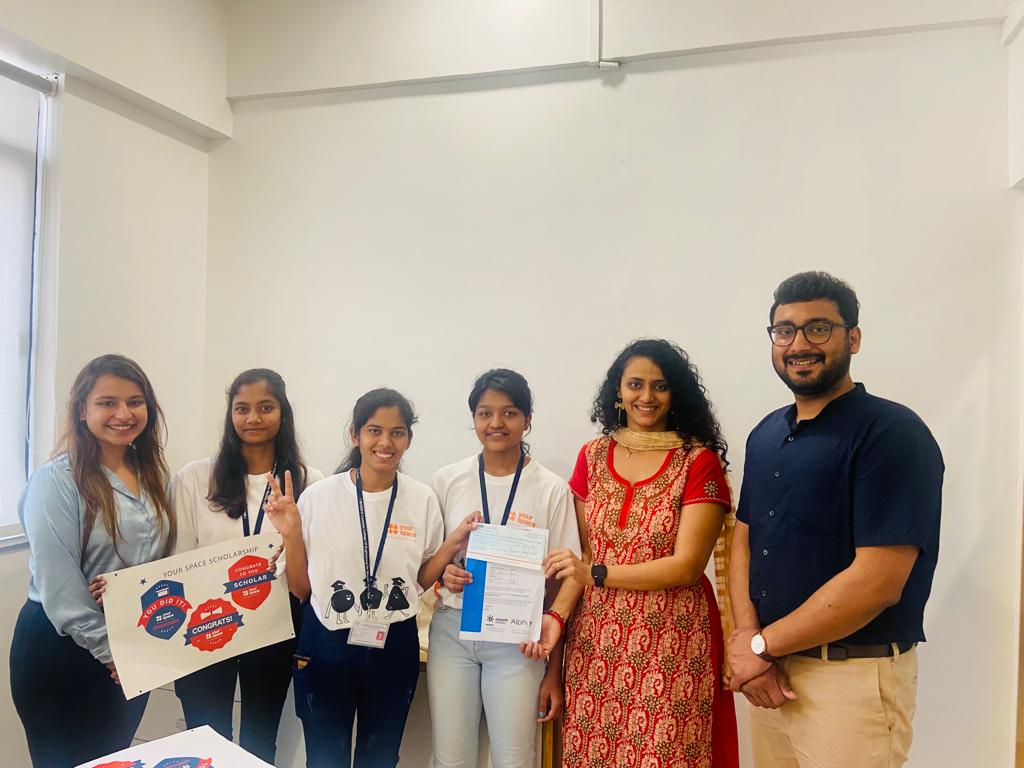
(834, 549)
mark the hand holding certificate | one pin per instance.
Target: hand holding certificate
(505, 600)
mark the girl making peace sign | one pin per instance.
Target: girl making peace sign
(352, 536)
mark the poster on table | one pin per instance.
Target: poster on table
(172, 617)
(201, 747)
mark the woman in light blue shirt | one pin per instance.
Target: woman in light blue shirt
(100, 504)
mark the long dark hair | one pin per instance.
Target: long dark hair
(691, 414)
(146, 452)
(363, 411)
(227, 476)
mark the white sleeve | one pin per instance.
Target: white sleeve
(184, 504)
(563, 530)
(440, 487)
(433, 534)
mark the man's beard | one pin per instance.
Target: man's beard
(826, 380)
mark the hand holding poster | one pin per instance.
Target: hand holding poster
(172, 617)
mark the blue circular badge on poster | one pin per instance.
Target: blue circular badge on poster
(164, 608)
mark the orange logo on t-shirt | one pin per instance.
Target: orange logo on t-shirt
(401, 531)
(522, 519)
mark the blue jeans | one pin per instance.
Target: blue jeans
(462, 677)
(336, 682)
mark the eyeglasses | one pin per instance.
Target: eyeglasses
(815, 331)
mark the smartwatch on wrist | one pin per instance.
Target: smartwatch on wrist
(599, 573)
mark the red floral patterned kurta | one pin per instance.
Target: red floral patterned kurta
(641, 674)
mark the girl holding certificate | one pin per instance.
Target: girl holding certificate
(221, 498)
(355, 544)
(99, 505)
(510, 488)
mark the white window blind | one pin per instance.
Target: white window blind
(19, 130)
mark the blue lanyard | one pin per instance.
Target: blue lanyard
(511, 494)
(371, 578)
(259, 515)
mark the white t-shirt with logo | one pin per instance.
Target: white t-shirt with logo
(334, 549)
(199, 525)
(542, 500)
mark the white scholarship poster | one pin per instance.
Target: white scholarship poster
(200, 747)
(172, 617)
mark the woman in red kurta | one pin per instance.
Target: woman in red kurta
(644, 647)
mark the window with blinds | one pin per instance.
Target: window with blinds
(20, 119)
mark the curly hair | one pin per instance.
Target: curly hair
(691, 414)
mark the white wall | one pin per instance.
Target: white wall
(132, 207)
(169, 55)
(413, 236)
(645, 27)
(285, 48)
(282, 47)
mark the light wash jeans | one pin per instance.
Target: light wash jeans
(462, 675)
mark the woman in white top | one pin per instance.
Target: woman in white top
(222, 498)
(510, 488)
(362, 545)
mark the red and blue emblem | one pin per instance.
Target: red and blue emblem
(212, 625)
(185, 762)
(164, 608)
(250, 581)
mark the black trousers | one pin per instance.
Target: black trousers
(335, 682)
(207, 696)
(71, 710)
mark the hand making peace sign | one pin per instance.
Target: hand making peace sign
(281, 507)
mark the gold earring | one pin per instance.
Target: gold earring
(619, 405)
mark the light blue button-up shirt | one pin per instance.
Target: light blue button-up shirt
(52, 512)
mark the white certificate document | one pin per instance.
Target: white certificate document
(505, 600)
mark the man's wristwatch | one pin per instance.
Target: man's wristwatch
(759, 647)
(599, 573)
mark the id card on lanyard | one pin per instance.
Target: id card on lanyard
(259, 514)
(485, 507)
(370, 633)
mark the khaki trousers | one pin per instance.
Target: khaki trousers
(854, 713)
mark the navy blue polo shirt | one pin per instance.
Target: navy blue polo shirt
(865, 472)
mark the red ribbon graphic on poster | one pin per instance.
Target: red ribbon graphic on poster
(250, 581)
(212, 625)
(121, 764)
